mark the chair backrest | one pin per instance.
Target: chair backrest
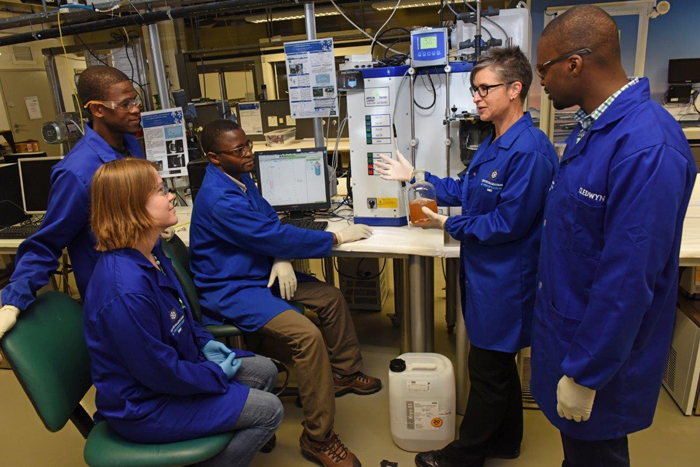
(176, 250)
(48, 354)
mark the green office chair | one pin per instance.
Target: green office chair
(176, 250)
(48, 354)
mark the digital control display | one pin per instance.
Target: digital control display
(429, 47)
(428, 42)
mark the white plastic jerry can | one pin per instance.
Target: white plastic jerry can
(422, 401)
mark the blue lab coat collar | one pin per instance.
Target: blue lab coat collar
(625, 103)
(137, 257)
(490, 151)
(104, 151)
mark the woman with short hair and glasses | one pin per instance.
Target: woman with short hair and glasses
(502, 196)
(160, 376)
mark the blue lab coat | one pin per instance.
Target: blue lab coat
(608, 271)
(153, 383)
(67, 221)
(234, 238)
(502, 197)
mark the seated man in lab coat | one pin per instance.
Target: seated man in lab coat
(240, 256)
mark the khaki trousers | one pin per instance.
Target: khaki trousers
(318, 352)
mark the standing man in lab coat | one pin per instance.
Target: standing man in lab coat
(240, 254)
(115, 111)
(608, 271)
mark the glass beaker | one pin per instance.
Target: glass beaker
(421, 193)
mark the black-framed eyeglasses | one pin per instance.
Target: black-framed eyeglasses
(484, 89)
(240, 151)
(542, 69)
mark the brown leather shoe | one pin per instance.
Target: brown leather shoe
(330, 453)
(356, 383)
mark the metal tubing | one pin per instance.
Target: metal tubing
(158, 66)
(222, 91)
(310, 22)
(412, 77)
(429, 303)
(54, 82)
(141, 19)
(448, 140)
(416, 275)
(477, 37)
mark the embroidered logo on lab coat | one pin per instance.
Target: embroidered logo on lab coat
(173, 315)
(179, 321)
(494, 174)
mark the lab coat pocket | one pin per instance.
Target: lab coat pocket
(586, 228)
(564, 327)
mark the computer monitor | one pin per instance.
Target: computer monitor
(294, 180)
(35, 180)
(14, 157)
(684, 70)
(11, 209)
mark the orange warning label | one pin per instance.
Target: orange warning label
(436, 422)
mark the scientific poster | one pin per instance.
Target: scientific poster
(166, 144)
(311, 77)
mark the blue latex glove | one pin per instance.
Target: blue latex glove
(215, 351)
(230, 365)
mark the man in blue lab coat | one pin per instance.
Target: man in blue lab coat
(116, 115)
(240, 256)
(608, 271)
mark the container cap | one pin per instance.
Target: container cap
(397, 365)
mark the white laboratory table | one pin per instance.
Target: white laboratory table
(415, 288)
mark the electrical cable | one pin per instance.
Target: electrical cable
(356, 26)
(374, 39)
(434, 95)
(381, 34)
(357, 278)
(72, 80)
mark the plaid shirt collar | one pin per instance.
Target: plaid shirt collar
(587, 121)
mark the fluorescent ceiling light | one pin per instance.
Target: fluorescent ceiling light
(390, 4)
(290, 14)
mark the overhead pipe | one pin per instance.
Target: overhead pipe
(141, 19)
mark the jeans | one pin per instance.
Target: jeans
(259, 419)
(605, 453)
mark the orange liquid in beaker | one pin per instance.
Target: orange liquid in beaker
(416, 206)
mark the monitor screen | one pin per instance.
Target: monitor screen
(35, 179)
(684, 70)
(294, 180)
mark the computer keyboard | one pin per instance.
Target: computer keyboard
(306, 223)
(18, 231)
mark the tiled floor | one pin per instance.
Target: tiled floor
(362, 422)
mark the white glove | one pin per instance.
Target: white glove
(353, 233)
(167, 234)
(574, 402)
(8, 318)
(437, 221)
(390, 169)
(283, 270)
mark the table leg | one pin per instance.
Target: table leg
(429, 303)
(462, 370)
(416, 279)
(330, 270)
(451, 292)
(401, 309)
